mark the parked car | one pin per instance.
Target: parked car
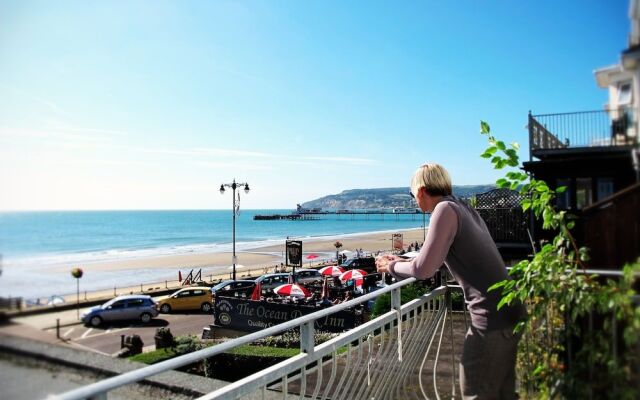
(272, 281)
(189, 298)
(367, 264)
(122, 308)
(306, 276)
(229, 288)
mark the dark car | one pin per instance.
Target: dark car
(272, 281)
(122, 308)
(231, 288)
(367, 264)
(308, 276)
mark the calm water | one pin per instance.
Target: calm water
(32, 241)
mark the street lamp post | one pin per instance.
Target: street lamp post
(235, 210)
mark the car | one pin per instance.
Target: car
(306, 276)
(188, 298)
(122, 308)
(367, 264)
(272, 281)
(231, 288)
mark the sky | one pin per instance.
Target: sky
(154, 104)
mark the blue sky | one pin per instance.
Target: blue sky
(152, 105)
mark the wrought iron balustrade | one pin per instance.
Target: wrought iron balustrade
(602, 128)
(386, 357)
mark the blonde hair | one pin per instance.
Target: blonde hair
(434, 178)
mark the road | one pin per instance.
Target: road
(106, 339)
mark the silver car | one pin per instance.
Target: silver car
(272, 281)
(306, 276)
(122, 308)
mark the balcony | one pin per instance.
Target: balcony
(582, 132)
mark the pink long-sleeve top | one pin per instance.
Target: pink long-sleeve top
(459, 238)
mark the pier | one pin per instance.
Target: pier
(315, 214)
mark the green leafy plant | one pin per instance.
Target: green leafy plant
(559, 298)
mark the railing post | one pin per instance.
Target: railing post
(396, 304)
(449, 305)
(530, 126)
(307, 342)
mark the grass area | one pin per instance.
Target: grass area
(152, 357)
(264, 351)
(157, 356)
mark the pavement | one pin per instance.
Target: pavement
(35, 364)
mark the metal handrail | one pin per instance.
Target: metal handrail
(100, 388)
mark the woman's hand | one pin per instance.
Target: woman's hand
(382, 262)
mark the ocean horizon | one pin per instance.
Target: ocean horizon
(32, 242)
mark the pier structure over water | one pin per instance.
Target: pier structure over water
(318, 214)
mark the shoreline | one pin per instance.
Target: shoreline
(132, 272)
(254, 256)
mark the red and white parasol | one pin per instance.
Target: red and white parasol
(257, 292)
(352, 274)
(291, 289)
(331, 270)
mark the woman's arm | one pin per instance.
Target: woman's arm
(443, 227)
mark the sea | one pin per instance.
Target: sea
(32, 243)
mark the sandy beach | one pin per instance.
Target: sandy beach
(259, 257)
(148, 274)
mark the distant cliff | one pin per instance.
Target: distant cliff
(383, 197)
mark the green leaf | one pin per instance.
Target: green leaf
(511, 153)
(501, 183)
(485, 155)
(491, 149)
(506, 300)
(561, 189)
(497, 285)
(500, 145)
(526, 204)
(485, 129)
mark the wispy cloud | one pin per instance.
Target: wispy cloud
(51, 105)
(238, 165)
(346, 160)
(64, 135)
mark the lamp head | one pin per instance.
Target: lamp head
(221, 189)
(246, 188)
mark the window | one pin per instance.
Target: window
(135, 303)
(118, 305)
(563, 200)
(624, 94)
(185, 293)
(605, 188)
(584, 193)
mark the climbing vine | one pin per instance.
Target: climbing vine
(559, 355)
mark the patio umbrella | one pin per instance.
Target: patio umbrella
(291, 289)
(331, 270)
(352, 274)
(312, 256)
(325, 288)
(257, 292)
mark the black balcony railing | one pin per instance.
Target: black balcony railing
(602, 128)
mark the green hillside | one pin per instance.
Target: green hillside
(383, 197)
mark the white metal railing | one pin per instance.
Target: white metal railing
(382, 358)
